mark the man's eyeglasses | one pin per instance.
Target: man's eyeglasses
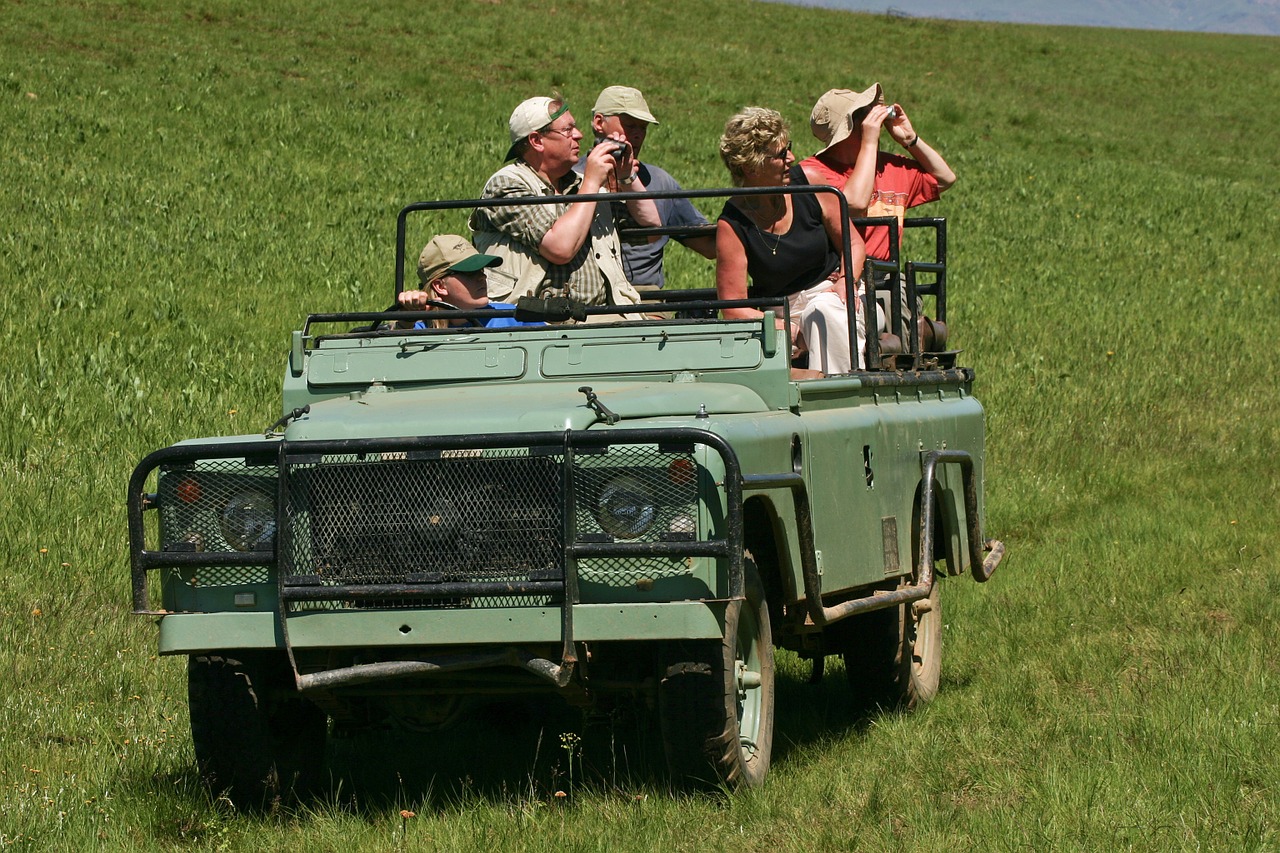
(566, 132)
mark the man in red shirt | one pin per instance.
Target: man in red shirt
(874, 182)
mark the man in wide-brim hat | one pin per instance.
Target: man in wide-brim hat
(874, 182)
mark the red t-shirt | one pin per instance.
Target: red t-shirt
(894, 174)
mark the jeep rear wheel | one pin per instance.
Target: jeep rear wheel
(893, 657)
(715, 701)
(256, 740)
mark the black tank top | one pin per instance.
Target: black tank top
(782, 264)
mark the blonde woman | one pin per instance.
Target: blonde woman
(785, 245)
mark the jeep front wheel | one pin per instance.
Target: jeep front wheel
(715, 700)
(255, 739)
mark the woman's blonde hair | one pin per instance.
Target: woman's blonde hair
(750, 138)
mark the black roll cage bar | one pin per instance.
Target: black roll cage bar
(699, 301)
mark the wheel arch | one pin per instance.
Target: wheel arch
(764, 536)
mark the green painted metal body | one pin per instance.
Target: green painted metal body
(627, 510)
(856, 443)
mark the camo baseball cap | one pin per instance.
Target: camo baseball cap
(831, 120)
(448, 253)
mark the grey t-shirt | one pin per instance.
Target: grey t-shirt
(643, 261)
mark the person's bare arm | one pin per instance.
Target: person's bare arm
(731, 271)
(705, 246)
(831, 221)
(857, 190)
(643, 210)
(563, 240)
(929, 159)
(731, 283)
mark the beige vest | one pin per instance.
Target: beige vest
(523, 271)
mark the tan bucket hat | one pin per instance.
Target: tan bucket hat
(830, 120)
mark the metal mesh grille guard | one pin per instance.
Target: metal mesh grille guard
(423, 521)
(450, 521)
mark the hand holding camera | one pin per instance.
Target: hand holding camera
(625, 165)
(605, 163)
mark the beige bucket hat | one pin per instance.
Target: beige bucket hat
(830, 120)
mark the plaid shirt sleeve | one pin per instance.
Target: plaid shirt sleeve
(527, 224)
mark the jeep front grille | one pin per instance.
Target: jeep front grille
(397, 529)
(388, 519)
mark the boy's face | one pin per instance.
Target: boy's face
(464, 290)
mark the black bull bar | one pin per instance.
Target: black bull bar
(265, 453)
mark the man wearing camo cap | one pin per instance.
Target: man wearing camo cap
(452, 273)
(557, 249)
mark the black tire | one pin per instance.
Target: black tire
(893, 657)
(256, 740)
(716, 697)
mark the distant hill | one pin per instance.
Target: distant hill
(1244, 17)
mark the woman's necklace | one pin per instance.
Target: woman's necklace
(752, 207)
(777, 241)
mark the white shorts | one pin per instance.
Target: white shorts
(824, 322)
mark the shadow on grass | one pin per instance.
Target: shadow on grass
(806, 713)
(524, 748)
(530, 749)
(508, 751)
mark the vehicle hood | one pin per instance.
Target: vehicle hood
(382, 412)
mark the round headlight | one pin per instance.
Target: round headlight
(248, 520)
(625, 509)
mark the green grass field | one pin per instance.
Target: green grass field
(183, 181)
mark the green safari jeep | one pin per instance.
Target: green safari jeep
(624, 510)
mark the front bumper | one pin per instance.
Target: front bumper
(197, 633)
